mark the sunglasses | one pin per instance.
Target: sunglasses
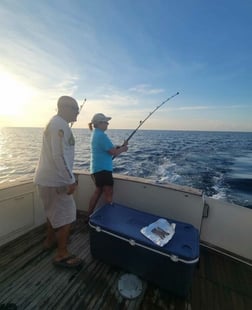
(75, 109)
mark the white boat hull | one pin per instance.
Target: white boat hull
(223, 226)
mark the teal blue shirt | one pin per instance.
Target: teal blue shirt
(100, 158)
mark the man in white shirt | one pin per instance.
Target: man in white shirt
(56, 182)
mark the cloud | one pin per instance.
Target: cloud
(146, 89)
(213, 107)
(193, 108)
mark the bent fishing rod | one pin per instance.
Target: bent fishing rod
(142, 122)
(81, 106)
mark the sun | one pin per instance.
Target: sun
(14, 94)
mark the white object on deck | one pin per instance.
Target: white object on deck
(130, 286)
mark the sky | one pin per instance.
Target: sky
(126, 57)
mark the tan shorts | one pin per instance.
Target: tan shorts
(60, 208)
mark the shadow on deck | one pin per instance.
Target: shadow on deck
(28, 280)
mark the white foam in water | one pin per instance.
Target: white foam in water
(220, 195)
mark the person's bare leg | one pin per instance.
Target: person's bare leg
(94, 199)
(50, 236)
(108, 193)
(62, 235)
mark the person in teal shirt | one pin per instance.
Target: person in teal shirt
(101, 162)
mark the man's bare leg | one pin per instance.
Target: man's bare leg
(50, 236)
(62, 235)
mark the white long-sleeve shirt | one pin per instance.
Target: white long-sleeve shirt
(57, 155)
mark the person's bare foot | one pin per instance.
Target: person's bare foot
(70, 261)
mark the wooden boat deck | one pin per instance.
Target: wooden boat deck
(28, 280)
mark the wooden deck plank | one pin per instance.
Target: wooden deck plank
(29, 280)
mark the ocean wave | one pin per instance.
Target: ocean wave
(219, 163)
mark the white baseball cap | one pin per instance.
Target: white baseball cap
(99, 118)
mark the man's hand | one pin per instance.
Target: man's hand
(71, 188)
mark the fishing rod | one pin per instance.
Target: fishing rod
(81, 106)
(142, 122)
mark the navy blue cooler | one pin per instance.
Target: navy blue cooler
(116, 238)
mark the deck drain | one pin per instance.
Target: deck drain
(130, 286)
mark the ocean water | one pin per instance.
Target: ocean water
(219, 163)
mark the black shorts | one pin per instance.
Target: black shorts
(103, 178)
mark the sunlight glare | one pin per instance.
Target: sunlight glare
(14, 94)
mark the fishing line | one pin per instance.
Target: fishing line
(142, 122)
(81, 106)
